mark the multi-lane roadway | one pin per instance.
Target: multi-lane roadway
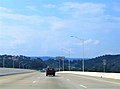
(37, 80)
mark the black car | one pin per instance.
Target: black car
(50, 71)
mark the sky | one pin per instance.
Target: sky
(45, 27)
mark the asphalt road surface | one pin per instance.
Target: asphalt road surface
(38, 80)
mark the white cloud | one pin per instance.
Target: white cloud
(19, 39)
(96, 42)
(22, 18)
(33, 8)
(49, 6)
(28, 39)
(56, 23)
(15, 35)
(46, 34)
(116, 7)
(77, 9)
(87, 42)
(90, 41)
(53, 22)
(115, 19)
(3, 9)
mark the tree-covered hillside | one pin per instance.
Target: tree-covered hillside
(105, 63)
(9, 61)
(108, 63)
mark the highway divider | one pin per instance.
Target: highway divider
(95, 74)
(12, 71)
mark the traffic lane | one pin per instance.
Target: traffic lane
(11, 81)
(54, 82)
(92, 82)
(35, 80)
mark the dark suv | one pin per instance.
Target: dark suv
(50, 71)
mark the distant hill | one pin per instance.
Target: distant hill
(108, 63)
(49, 57)
(43, 57)
(105, 63)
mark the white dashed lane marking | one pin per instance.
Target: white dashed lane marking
(38, 77)
(83, 86)
(34, 81)
(68, 79)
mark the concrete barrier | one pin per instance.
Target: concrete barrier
(96, 74)
(11, 71)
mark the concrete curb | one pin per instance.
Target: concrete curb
(95, 74)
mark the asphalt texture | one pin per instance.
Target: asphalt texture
(38, 80)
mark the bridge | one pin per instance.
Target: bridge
(29, 79)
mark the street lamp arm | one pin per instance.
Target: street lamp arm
(82, 49)
(77, 38)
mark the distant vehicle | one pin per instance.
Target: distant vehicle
(50, 71)
(42, 70)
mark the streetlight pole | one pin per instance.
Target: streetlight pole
(82, 40)
(3, 61)
(104, 64)
(13, 58)
(13, 63)
(58, 58)
(83, 56)
(28, 67)
(69, 61)
(59, 65)
(68, 51)
(19, 64)
(63, 62)
(61, 58)
(24, 65)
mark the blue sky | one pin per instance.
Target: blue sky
(44, 27)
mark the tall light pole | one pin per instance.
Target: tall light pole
(104, 64)
(58, 58)
(28, 67)
(3, 62)
(20, 63)
(82, 40)
(61, 58)
(68, 51)
(13, 59)
(24, 65)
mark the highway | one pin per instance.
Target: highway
(37, 80)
